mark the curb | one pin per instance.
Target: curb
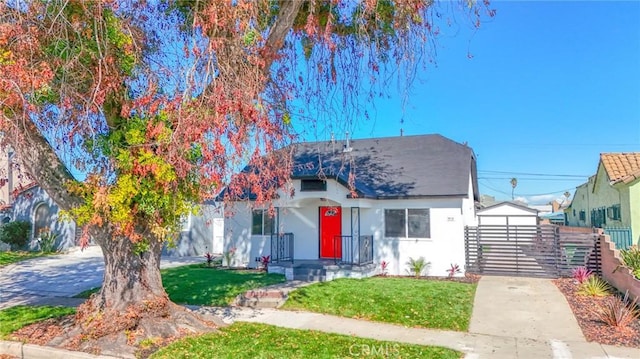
(30, 351)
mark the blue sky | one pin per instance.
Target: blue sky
(549, 87)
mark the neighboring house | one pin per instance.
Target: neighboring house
(201, 233)
(508, 214)
(611, 197)
(21, 199)
(553, 213)
(414, 196)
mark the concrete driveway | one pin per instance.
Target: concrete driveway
(531, 308)
(56, 279)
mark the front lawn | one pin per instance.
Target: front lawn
(252, 340)
(14, 318)
(407, 301)
(7, 258)
(198, 285)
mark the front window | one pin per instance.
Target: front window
(407, 223)
(261, 224)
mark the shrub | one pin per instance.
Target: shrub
(264, 260)
(16, 233)
(209, 257)
(228, 256)
(594, 286)
(618, 312)
(455, 269)
(417, 266)
(47, 240)
(384, 265)
(631, 259)
(580, 274)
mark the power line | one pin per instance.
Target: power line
(523, 194)
(529, 179)
(534, 174)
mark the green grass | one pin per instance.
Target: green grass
(406, 301)
(198, 285)
(13, 257)
(14, 318)
(251, 340)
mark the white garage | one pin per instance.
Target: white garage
(508, 214)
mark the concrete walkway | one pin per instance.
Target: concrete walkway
(512, 317)
(55, 279)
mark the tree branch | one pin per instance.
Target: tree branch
(286, 16)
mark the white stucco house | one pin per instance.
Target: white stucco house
(413, 197)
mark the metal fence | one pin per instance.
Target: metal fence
(540, 251)
(621, 236)
(282, 247)
(356, 250)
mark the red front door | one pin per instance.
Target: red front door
(330, 227)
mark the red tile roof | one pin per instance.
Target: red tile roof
(621, 167)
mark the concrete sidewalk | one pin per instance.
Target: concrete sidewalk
(54, 280)
(475, 346)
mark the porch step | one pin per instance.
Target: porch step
(261, 298)
(310, 273)
(272, 296)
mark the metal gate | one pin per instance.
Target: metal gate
(537, 251)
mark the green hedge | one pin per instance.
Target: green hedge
(16, 234)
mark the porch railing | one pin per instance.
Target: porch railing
(355, 251)
(281, 247)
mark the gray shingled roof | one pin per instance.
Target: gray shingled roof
(392, 167)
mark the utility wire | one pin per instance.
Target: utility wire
(533, 174)
(523, 194)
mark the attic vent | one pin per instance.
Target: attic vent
(313, 185)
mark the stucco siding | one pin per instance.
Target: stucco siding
(199, 234)
(24, 208)
(633, 199)
(444, 247)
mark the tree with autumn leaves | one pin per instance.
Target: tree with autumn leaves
(159, 104)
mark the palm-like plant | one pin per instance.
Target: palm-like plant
(514, 183)
(417, 266)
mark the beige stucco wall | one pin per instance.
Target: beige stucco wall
(598, 193)
(580, 202)
(632, 201)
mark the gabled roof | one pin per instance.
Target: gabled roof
(391, 167)
(509, 204)
(621, 167)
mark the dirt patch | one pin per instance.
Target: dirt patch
(584, 308)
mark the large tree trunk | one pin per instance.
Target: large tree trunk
(129, 278)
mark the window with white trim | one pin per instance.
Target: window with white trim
(407, 223)
(261, 224)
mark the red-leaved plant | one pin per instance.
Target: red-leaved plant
(383, 268)
(618, 312)
(264, 260)
(581, 274)
(455, 269)
(209, 258)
